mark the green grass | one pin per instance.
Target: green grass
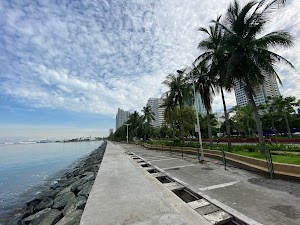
(280, 158)
(247, 150)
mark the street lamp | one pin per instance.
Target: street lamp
(198, 124)
(127, 125)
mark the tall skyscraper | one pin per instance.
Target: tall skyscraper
(111, 131)
(155, 105)
(121, 117)
(262, 92)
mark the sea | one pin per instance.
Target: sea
(25, 169)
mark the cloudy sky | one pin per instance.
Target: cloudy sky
(66, 66)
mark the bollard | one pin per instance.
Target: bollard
(270, 163)
(224, 158)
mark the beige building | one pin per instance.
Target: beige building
(268, 89)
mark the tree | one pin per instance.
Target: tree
(169, 106)
(148, 117)
(204, 85)
(218, 57)
(284, 106)
(135, 119)
(250, 58)
(179, 92)
(243, 119)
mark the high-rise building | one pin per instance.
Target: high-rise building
(155, 105)
(268, 89)
(200, 106)
(121, 117)
(111, 131)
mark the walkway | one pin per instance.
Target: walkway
(125, 193)
(243, 194)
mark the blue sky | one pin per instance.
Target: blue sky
(66, 66)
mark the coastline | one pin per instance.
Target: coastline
(63, 201)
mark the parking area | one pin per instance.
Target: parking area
(239, 192)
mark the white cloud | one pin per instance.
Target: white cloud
(96, 57)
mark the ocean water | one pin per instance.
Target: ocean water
(25, 168)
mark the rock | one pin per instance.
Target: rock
(80, 202)
(71, 219)
(88, 176)
(50, 218)
(35, 218)
(76, 184)
(70, 207)
(62, 200)
(65, 190)
(45, 203)
(32, 204)
(86, 189)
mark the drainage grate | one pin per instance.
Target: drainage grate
(185, 195)
(144, 165)
(163, 179)
(209, 211)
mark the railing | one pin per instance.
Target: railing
(245, 162)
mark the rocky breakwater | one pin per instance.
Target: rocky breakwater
(63, 203)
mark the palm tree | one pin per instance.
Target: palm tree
(179, 91)
(148, 117)
(169, 108)
(284, 106)
(216, 55)
(244, 118)
(204, 85)
(135, 120)
(250, 58)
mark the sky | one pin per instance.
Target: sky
(66, 66)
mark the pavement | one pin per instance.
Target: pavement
(125, 193)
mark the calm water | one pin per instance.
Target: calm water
(26, 166)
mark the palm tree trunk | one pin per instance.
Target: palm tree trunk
(181, 127)
(226, 121)
(209, 129)
(287, 125)
(257, 122)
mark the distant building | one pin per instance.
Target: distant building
(268, 89)
(155, 105)
(200, 106)
(121, 117)
(111, 131)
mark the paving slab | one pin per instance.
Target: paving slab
(248, 196)
(125, 193)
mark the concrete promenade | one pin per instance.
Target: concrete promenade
(125, 193)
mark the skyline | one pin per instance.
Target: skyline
(66, 67)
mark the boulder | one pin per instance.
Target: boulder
(78, 183)
(36, 218)
(70, 207)
(71, 219)
(45, 203)
(50, 218)
(80, 202)
(85, 189)
(62, 200)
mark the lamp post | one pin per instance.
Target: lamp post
(198, 124)
(127, 125)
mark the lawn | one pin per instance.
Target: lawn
(280, 158)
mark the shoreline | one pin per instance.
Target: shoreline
(63, 199)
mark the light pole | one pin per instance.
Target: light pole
(127, 125)
(198, 124)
